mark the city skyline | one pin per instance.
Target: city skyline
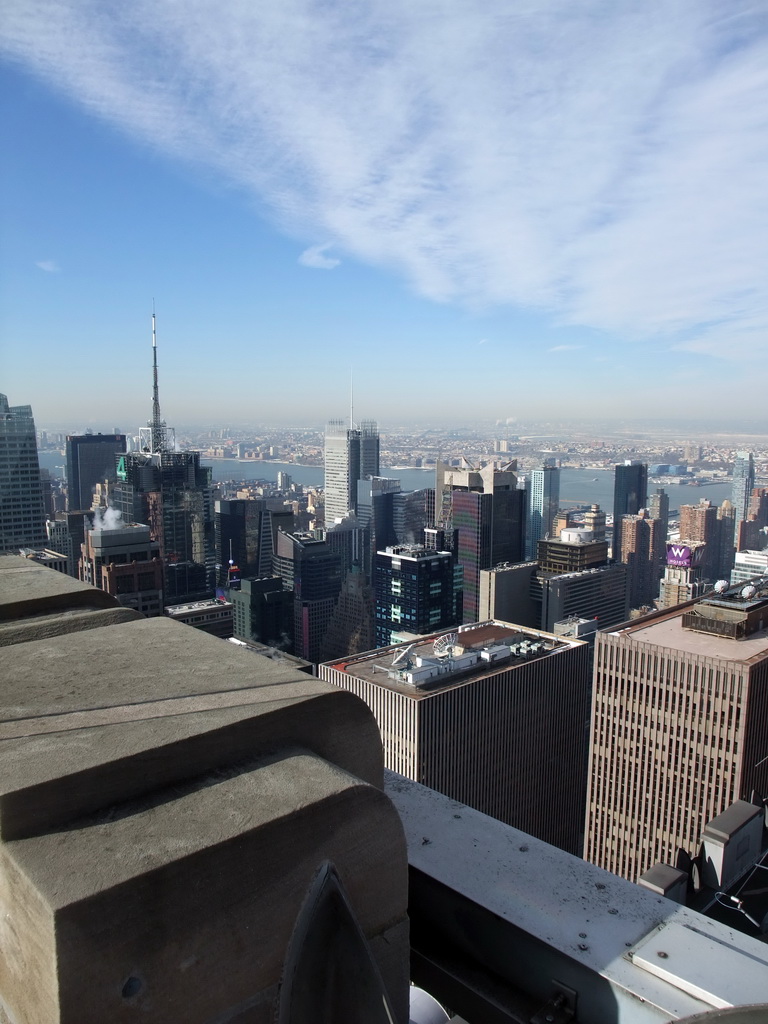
(305, 190)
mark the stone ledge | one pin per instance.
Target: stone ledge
(92, 719)
(28, 588)
(75, 620)
(195, 894)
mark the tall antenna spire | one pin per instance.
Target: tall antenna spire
(156, 436)
(156, 422)
(351, 399)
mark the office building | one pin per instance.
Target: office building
(244, 532)
(643, 542)
(22, 519)
(743, 484)
(262, 612)
(123, 560)
(748, 565)
(416, 589)
(574, 550)
(630, 489)
(594, 521)
(600, 594)
(351, 454)
(376, 514)
(213, 616)
(351, 627)
(492, 715)
(752, 533)
(91, 459)
(679, 727)
(482, 514)
(543, 506)
(311, 572)
(171, 492)
(505, 594)
(683, 577)
(572, 577)
(707, 524)
(410, 515)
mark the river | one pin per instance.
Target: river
(577, 486)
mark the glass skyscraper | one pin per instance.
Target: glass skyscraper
(91, 459)
(543, 506)
(351, 454)
(22, 519)
(630, 493)
(743, 482)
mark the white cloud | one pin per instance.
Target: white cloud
(315, 257)
(565, 348)
(604, 162)
(49, 266)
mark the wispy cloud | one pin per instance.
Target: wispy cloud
(49, 266)
(565, 348)
(315, 257)
(606, 163)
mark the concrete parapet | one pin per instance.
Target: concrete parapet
(26, 589)
(165, 804)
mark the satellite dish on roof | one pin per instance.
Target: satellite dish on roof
(748, 592)
(402, 656)
(447, 646)
(721, 586)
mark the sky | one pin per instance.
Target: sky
(474, 209)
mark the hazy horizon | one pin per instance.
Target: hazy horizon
(479, 211)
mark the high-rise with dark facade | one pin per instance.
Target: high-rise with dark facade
(417, 590)
(22, 518)
(172, 493)
(351, 454)
(630, 490)
(743, 483)
(91, 459)
(311, 571)
(483, 515)
(245, 531)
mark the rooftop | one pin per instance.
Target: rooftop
(667, 631)
(444, 660)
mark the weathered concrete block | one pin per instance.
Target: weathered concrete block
(93, 719)
(180, 908)
(28, 588)
(42, 627)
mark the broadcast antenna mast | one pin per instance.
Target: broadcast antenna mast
(154, 437)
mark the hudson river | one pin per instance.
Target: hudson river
(577, 486)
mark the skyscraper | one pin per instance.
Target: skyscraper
(543, 506)
(124, 561)
(312, 572)
(482, 513)
(91, 459)
(171, 492)
(245, 531)
(643, 542)
(630, 488)
(679, 728)
(22, 519)
(743, 482)
(492, 715)
(416, 591)
(351, 454)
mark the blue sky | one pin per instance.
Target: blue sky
(484, 210)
